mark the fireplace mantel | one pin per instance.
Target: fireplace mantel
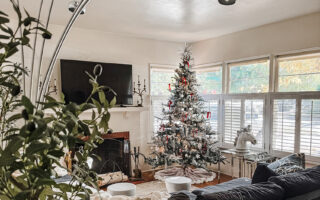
(115, 135)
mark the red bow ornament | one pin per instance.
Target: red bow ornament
(185, 80)
(208, 115)
(169, 104)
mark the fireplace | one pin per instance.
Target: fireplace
(114, 153)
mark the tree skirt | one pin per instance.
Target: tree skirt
(197, 175)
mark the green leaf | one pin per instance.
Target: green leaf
(22, 195)
(14, 117)
(6, 160)
(84, 127)
(87, 106)
(108, 117)
(14, 145)
(45, 181)
(46, 192)
(4, 37)
(79, 156)
(25, 40)
(6, 30)
(12, 51)
(16, 8)
(64, 187)
(4, 20)
(27, 104)
(36, 147)
(97, 104)
(56, 153)
(113, 101)
(2, 13)
(3, 197)
(62, 98)
(102, 97)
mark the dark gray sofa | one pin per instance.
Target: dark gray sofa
(303, 185)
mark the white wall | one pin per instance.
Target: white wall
(293, 34)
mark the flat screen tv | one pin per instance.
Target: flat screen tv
(76, 86)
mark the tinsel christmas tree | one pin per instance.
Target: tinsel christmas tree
(185, 136)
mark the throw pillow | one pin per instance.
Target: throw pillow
(297, 159)
(262, 174)
(288, 168)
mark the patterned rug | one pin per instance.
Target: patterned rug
(144, 189)
(154, 190)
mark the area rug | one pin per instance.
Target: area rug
(144, 189)
(154, 190)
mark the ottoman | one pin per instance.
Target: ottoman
(177, 183)
(126, 189)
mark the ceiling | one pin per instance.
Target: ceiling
(175, 20)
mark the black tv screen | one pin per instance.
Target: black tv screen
(76, 86)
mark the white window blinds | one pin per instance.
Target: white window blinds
(310, 127)
(232, 119)
(212, 106)
(254, 112)
(284, 121)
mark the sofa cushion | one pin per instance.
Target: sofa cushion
(262, 174)
(297, 159)
(299, 183)
(259, 191)
(183, 195)
(223, 186)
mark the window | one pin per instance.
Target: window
(249, 77)
(209, 80)
(299, 73)
(232, 119)
(160, 78)
(254, 115)
(242, 112)
(212, 106)
(310, 127)
(284, 121)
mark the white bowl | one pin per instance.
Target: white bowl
(178, 183)
(127, 189)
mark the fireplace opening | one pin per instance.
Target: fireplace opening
(114, 156)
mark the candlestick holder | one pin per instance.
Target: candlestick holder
(139, 91)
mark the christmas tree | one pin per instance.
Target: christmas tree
(185, 136)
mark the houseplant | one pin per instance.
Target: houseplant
(33, 141)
